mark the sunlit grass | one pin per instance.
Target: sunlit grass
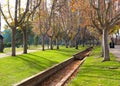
(96, 73)
(14, 69)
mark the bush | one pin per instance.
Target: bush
(7, 44)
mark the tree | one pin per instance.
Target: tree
(15, 21)
(34, 4)
(18, 18)
(65, 16)
(40, 23)
(104, 16)
(51, 31)
(43, 24)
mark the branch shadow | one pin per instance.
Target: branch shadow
(40, 63)
(102, 71)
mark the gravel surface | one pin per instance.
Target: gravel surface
(17, 53)
(116, 52)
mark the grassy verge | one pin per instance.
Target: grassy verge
(14, 69)
(96, 73)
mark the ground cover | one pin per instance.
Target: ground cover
(15, 69)
(96, 73)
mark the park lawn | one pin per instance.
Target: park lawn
(96, 73)
(15, 69)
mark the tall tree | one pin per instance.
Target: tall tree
(104, 16)
(40, 23)
(34, 4)
(15, 21)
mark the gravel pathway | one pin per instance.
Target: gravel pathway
(116, 52)
(17, 53)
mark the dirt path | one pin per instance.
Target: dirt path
(116, 51)
(17, 53)
(60, 77)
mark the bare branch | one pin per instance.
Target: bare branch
(5, 18)
(9, 11)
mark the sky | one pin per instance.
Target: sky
(3, 2)
(2, 21)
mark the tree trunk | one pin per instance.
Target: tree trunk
(93, 42)
(105, 46)
(25, 41)
(83, 43)
(102, 52)
(51, 43)
(70, 43)
(66, 43)
(80, 42)
(13, 42)
(57, 45)
(76, 44)
(43, 43)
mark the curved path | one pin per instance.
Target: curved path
(116, 52)
(17, 53)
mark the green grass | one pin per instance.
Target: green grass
(15, 69)
(96, 73)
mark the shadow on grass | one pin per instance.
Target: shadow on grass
(68, 52)
(37, 63)
(33, 55)
(98, 71)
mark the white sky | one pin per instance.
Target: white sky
(4, 8)
(3, 3)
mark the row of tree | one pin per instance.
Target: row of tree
(103, 16)
(68, 20)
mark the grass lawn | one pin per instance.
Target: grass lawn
(96, 73)
(15, 69)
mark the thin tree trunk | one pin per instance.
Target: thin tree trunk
(93, 42)
(43, 43)
(25, 41)
(51, 43)
(83, 43)
(57, 45)
(76, 44)
(70, 43)
(13, 42)
(102, 52)
(105, 45)
(90, 42)
(66, 43)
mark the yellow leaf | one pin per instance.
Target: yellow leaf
(73, 10)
